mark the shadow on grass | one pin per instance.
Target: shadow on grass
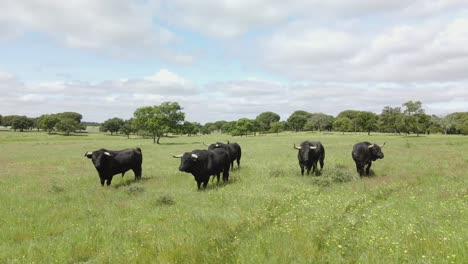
(128, 182)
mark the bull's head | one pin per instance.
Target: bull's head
(310, 147)
(187, 161)
(98, 157)
(376, 151)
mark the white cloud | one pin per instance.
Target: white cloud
(117, 27)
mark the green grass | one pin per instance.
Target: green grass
(412, 210)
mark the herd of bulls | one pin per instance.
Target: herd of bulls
(219, 158)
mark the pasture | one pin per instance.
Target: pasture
(413, 209)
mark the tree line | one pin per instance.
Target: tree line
(159, 120)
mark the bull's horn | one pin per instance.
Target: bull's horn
(296, 147)
(217, 145)
(88, 153)
(383, 145)
(371, 146)
(194, 156)
(107, 153)
(205, 144)
(312, 147)
(228, 141)
(177, 156)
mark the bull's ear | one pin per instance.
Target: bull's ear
(107, 154)
(371, 146)
(88, 154)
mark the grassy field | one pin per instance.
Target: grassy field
(412, 210)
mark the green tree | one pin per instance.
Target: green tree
(48, 122)
(309, 125)
(128, 128)
(277, 127)
(191, 128)
(343, 124)
(113, 125)
(322, 121)
(415, 119)
(367, 121)
(242, 127)
(67, 125)
(390, 119)
(21, 123)
(265, 119)
(159, 119)
(297, 120)
(71, 115)
(352, 116)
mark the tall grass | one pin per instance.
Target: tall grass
(411, 210)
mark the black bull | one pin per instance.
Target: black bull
(109, 163)
(310, 152)
(204, 163)
(233, 149)
(364, 153)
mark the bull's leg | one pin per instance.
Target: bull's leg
(368, 167)
(309, 166)
(225, 175)
(137, 172)
(302, 168)
(232, 164)
(317, 172)
(360, 169)
(238, 163)
(205, 183)
(218, 176)
(102, 182)
(123, 173)
(109, 181)
(198, 184)
(321, 161)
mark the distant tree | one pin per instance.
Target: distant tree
(390, 119)
(8, 120)
(309, 126)
(1, 122)
(219, 125)
(459, 123)
(265, 119)
(352, 116)
(113, 125)
(415, 119)
(229, 127)
(435, 125)
(242, 127)
(367, 121)
(22, 123)
(48, 122)
(191, 128)
(322, 121)
(67, 125)
(297, 120)
(412, 108)
(70, 115)
(159, 119)
(128, 128)
(343, 124)
(277, 127)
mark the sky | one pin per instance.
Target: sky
(231, 59)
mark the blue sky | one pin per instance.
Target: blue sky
(224, 59)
